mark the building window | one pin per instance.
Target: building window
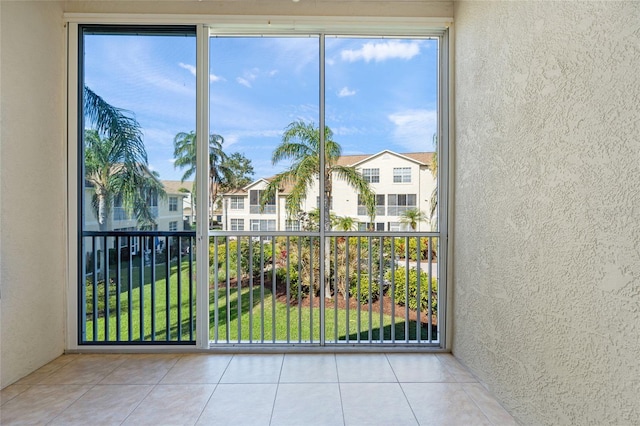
(173, 204)
(292, 225)
(400, 203)
(173, 226)
(237, 202)
(402, 175)
(371, 175)
(262, 224)
(371, 226)
(362, 209)
(255, 199)
(237, 224)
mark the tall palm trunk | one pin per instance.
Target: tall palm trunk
(327, 227)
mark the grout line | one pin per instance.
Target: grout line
(72, 402)
(344, 420)
(275, 398)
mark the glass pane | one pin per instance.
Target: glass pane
(381, 107)
(264, 107)
(138, 164)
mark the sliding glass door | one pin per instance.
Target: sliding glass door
(301, 169)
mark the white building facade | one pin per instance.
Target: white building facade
(401, 181)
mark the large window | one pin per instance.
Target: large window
(237, 224)
(263, 225)
(371, 175)
(173, 204)
(314, 131)
(236, 202)
(400, 203)
(401, 175)
(379, 199)
(255, 200)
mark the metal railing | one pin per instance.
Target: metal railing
(379, 288)
(370, 288)
(137, 287)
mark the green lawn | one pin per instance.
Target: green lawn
(302, 321)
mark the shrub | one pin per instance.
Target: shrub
(101, 295)
(400, 278)
(400, 247)
(221, 259)
(364, 289)
(294, 281)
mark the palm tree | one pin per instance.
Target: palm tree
(184, 152)
(434, 194)
(412, 217)
(345, 223)
(116, 163)
(301, 145)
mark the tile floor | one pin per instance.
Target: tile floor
(291, 389)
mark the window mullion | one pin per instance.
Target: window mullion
(202, 188)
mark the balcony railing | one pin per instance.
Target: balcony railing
(150, 295)
(265, 288)
(371, 288)
(258, 209)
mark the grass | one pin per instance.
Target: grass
(281, 323)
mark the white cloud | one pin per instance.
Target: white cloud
(345, 91)
(248, 77)
(212, 77)
(272, 73)
(188, 67)
(381, 51)
(414, 129)
(244, 82)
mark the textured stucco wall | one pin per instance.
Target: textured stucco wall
(547, 207)
(33, 179)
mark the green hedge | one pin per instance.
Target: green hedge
(400, 278)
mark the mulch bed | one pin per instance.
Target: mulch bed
(387, 308)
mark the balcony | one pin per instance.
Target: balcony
(265, 288)
(258, 209)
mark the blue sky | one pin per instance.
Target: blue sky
(380, 93)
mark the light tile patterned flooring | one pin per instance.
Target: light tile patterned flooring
(291, 389)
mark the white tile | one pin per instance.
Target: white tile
(410, 368)
(197, 369)
(253, 369)
(457, 370)
(240, 404)
(364, 368)
(85, 369)
(443, 404)
(10, 392)
(488, 404)
(40, 403)
(307, 404)
(375, 404)
(103, 405)
(141, 370)
(171, 405)
(299, 368)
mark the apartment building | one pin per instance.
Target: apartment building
(400, 181)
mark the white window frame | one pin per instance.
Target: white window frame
(371, 175)
(252, 25)
(173, 204)
(402, 175)
(236, 202)
(236, 224)
(173, 224)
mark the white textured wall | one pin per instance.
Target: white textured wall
(32, 182)
(547, 207)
